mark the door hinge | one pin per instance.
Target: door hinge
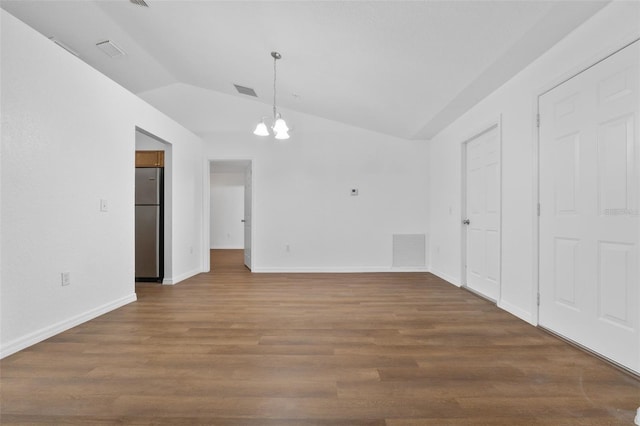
(538, 120)
(538, 301)
(538, 209)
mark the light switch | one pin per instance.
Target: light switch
(104, 206)
(65, 278)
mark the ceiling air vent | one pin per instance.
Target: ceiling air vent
(110, 49)
(139, 3)
(245, 90)
(64, 46)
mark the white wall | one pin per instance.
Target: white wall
(301, 194)
(148, 143)
(68, 140)
(227, 210)
(607, 31)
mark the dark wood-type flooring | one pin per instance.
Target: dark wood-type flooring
(235, 348)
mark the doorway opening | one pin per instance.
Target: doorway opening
(230, 213)
(152, 209)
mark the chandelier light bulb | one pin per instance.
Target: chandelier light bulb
(280, 125)
(282, 134)
(261, 129)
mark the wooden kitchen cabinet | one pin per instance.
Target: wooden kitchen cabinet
(149, 158)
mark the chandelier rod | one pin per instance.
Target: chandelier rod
(274, 85)
(275, 56)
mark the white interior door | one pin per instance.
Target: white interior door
(589, 219)
(482, 267)
(247, 216)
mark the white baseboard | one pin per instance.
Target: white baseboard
(44, 333)
(409, 269)
(181, 277)
(446, 277)
(334, 269)
(518, 312)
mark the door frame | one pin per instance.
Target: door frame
(206, 216)
(616, 47)
(248, 169)
(168, 205)
(479, 131)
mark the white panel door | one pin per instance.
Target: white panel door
(247, 216)
(589, 218)
(483, 214)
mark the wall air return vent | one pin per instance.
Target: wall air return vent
(245, 90)
(409, 250)
(110, 49)
(139, 3)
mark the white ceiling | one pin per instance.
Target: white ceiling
(404, 68)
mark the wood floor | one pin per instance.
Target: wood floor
(235, 348)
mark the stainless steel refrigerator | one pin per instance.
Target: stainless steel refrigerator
(149, 202)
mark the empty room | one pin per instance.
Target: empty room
(346, 213)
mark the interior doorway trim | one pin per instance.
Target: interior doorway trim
(250, 162)
(168, 278)
(495, 124)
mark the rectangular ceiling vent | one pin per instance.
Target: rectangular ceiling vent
(139, 3)
(64, 46)
(109, 48)
(245, 90)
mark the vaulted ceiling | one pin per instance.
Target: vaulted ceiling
(404, 68)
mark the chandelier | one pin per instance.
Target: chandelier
(279, 127)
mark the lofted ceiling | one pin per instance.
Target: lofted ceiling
(403, 68)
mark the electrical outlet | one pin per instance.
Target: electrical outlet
(65, 278)
(354, 192)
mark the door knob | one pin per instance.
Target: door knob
(242, 220)
(466, 222)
